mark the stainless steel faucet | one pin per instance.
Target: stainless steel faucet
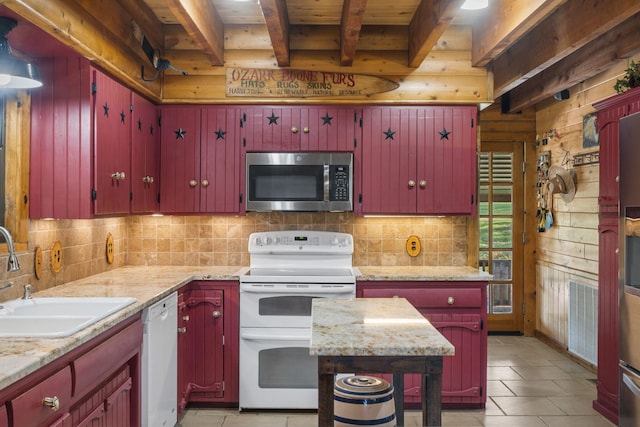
(13, 264)
(27, 292)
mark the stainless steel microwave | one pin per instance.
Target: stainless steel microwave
(303, 182)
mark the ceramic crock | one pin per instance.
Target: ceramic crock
(363, 401)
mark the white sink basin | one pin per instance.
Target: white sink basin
(55, 317)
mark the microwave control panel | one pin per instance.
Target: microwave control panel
(339, 179)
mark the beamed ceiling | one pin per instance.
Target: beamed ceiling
(530, 49)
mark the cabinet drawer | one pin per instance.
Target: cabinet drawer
(94, 366)
(4, 421)
(28, 408)
(430, 297)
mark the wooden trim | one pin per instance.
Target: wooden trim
(277, 18)
(352, 17)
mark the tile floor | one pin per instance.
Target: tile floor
(529, 385)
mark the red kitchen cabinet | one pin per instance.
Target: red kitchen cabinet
(80, 154)
(200, 164)
(458, 310)
(96, 384)
(296, 128)
(419, 160)
(145, 156)
(609, 112)
(208, 343)
(112, 133)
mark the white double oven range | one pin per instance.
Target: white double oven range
(288, 269)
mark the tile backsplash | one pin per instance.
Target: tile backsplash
(222, 240)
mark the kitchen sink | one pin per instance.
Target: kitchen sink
(55, 317)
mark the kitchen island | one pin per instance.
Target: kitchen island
(378, 335)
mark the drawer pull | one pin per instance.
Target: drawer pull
(51, 402)
(185, 318)
(216, 314)
(182, 330)
(451, 300)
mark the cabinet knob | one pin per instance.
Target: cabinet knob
(185, 318)
(305, 130)
(182, 330)
(423, 183)
(205, 182)
(294, 129)
(118, 175)
(451, 300)
(617, 251)
(193, 183)
(617, 179)
(147, 179)
(51, 402)
(216, 314)
(411, 183)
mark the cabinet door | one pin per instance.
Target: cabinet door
(95, 418)
(4, 421)
(271, 128)
(205, 330)
(118, 406)
(112, 162)
(389, 160)
(180, 159)
(60, 175)
(328, 128)
(446, 160)
(63, 421)
(145, 156)
(220, 160)
(185, 345)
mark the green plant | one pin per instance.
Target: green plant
(630, 80)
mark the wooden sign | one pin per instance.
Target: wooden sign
(285, 83)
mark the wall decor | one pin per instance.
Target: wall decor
(589, 133)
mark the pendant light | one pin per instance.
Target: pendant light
(14, 72)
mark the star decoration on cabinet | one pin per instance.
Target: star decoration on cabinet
(105, 107)
(122, 116)
(180, 133)
(139, 124)
(220, 134)
(273, 119)
(444, 134)
(389, 134)
(326, 120)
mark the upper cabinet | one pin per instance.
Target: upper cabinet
(419, 160)
(145, 156)
(299, 128)
(200, 164)
(81, 133)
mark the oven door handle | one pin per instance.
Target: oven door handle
(276, 337)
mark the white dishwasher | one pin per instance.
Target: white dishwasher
(160, 363)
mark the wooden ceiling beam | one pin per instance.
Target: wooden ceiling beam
(503, 23)
(277, 19)
(570, 27)
(350, 26)
(427, 25)
(620, 43)
(203, 24)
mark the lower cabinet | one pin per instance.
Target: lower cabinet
(459, 311)
(208, 343)
(97, 384)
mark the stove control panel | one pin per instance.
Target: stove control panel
(305, 241)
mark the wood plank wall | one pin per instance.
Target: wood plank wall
(569, 249)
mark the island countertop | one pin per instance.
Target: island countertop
(373, 327)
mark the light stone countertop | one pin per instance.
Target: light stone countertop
(21, 356)
(400, 273)
(373, 327)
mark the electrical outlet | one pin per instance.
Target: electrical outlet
(413, 246)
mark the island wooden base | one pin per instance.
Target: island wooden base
(429, 366)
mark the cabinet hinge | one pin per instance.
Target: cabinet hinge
(244, 141)
(130, 195)
(131, 107)
(481, 390)
(94, 195)
(159, 121)
(472, 198)
(223, 342)
(240, 198)
(355, 142)
(524, 311)
(482, 325)
(472, 122)
(243, 119)
(355, 117)
(524, 168)
(360, 198)
(158, 198)
(361, 120)
(524, 237)
(94, 88)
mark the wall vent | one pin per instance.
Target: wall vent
(583, 321)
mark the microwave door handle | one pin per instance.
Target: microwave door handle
(326, 182)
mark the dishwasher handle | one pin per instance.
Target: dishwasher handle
(628, 381)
